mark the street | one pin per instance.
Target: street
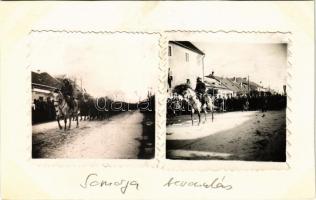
(121, 136)
(252, 136)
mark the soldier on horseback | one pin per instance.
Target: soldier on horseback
(200, 89)
(68, 93)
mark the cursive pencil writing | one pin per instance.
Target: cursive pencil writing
(93, 180)
(216, 183)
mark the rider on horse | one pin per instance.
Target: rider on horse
(68, 93)
(200, 89)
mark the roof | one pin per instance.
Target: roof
(252, 85)
(45, 79)
(216, 84)
(187, 45)
(229, 83)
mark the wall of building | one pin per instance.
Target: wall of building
(220, 92)
(225, 93)
(39, 92)
(181, 69)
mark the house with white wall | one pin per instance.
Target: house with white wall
(216, 86)
(43, 84)
(186, 62)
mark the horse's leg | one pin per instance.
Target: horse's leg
(77, 121)
(192, 117)
(69, 125)
(65, 120)
(199, 114)
(212, 114)
(60, 127)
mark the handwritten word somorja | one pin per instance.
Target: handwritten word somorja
(93, 181)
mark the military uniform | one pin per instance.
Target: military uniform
(68, 93)
(200, 90)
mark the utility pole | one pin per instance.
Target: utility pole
(203, 68)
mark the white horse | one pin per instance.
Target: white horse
(198, 106)
(64, 111)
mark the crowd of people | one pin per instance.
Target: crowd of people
(43, 110)
(243, 102)
(90, 108)
(264, 101)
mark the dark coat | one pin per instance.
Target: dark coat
(200, 87)
(67, 89)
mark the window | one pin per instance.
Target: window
(169, 51)
(187, 57)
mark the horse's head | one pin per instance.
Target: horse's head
(188, 94)
(57, 97)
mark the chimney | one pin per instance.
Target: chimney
(213, 73)
(234, 79)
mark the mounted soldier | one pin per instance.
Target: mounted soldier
(200, 89)
(68, 93)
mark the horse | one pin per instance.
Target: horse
(64, 111)
(196, 105)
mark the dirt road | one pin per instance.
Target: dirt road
(119, 137)
(232, 136)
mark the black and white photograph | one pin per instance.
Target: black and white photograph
(93, 95)
(226, 101)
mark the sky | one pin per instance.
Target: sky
(266, 63)
(113, 65)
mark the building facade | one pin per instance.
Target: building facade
(43, 85)
(216, 87)
(186, 63)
